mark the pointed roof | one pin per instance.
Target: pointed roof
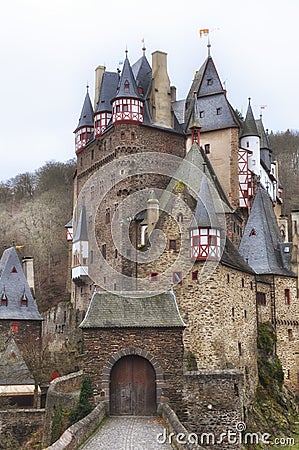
(13, 369)
(205, 214)
(143, 74)
(13, 285)
(249, 126)
(136, 310)
(108, 90)
(264, 144)
(127, 86)
(261, 242)
(86, 117)
(81, 233)
(211, 97)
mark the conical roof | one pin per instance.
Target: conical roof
(127, 85)
(86, 117)
(249, 127)
(81, 233)
(205, 214)
(143, 74)
(261, 242)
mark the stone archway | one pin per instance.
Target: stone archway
(133, 387)
(105, 390)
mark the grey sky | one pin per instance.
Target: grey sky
(49, 51)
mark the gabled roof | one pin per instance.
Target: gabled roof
(14, 285)
(133, 310)
(86, 117)
(217, 113)
(127, 87)
(108, 90)
(13, 369)
(261, 242)
(249, 126)
(81, 233)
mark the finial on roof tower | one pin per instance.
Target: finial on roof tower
(126, 51)
(209, 46)
(143, 47)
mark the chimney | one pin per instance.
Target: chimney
(99, 72)
(160, 93)
(173, 93)
(152, 213)
(28, 269)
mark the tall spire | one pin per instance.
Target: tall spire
(86, 116)
(249, 127)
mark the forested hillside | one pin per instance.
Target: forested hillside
(34, 207)
(285, 148)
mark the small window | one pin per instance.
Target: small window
(15, 327)
(245, 314)
(133, 135)
(117, 109)
(115, 253)
(251, 285)
(126, 108)
(228, 278)
(91, 256)
(180, 217)
(290, 334)
(247, 144)
(154, 276)
(252, 232)
(287, 298)
(218, 111)
(212, 240)
(288, 374)
(14, 270)
(261, 298)
(107, 215)
(210, 81)
(233, 312)
(243, 282)
(92, 154)
(195, 275)
(207, 149)
(240, 348)
(126, 85)
(122, 135)
(24, 300)
(177, 277)
(201, 114)
(104, 251)
(172, 244)
(3, 299)
(140, 90)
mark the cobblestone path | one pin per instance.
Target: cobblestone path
(128, 433)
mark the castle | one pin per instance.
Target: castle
(178, 250)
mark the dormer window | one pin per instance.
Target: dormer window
(3, 299)
(14, 270)
(201, 114)
(127, 85)
(218, 111)
(140, 90)
(252, 232)
(210, 81)
(24, 300)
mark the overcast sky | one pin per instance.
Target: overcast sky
(49, 51)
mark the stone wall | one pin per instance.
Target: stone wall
(214, 407)
(162, 347)
(20, 424)
(63, 393)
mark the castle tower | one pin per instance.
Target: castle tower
(250, 140)
(103, 111)
(127, 105)
(84, 130)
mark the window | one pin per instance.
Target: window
(107, 215)
(122, 135)
(117, 109)
(195, 275)
(126, 108)
(287, 298)
(240, 348)
(15, 327)
(201, 114)
(133, 135)
(290, 334)
(207, 149)
(218, 111)
(172, 244)
(252, 232)
(210, 81)
(261, 298)
(92, 153)
(126, 85)
(243, 282)
(154, 276)
(91, 256)
(115, 253)
(104, 251)
(180, 217)
(24, 300)
(228, 278)
(14, 270)
(177, 277)
(212, 240)
(3, 299)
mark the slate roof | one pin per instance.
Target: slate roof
(123, 310)
(249, 127)
(205, 214)
(86, 117)
(127, 76)
(261, 244)
(81, 233)
(264, 145)
(13, 284)
(13, 369)
(108, 90)
(232, 258)
(143, 74)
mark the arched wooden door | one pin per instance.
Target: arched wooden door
(133, 387)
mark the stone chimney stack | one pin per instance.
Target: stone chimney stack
(27, 263)
(152, 213)
(161, 92)
(99, 72)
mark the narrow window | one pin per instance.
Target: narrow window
(201, 114)
(104, 251)
(240, 348)
(290, 334)
(92, 154)
(177, 277)
(154, 276)
(180, 217)
(288, 374)
(172, 244)
(122, 135)
(195, 275)
(126, 85)
(228, 278)
(245, 314)
(287, 298)
(243, 282)
(116, 253)
(14, 270)
(91, 256)
(210, 81)
(261, 298)
(207, 149)
(218, 111)
(15, 327)
(233, 312)
(107, 215)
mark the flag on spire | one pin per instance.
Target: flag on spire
(203, 32)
